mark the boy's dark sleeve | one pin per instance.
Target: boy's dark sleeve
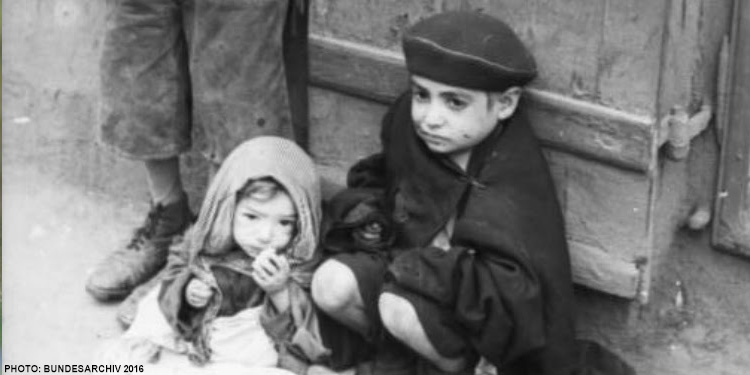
(364, 200)
(500, 294)
(367, 173)
(348, 212)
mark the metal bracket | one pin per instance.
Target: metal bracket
(677, 129)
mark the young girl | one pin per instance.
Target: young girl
(235, 297)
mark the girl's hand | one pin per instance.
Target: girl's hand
(198, 293)
(271, 271)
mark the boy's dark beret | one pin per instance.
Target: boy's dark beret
(468, 49)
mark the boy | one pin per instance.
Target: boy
(479, 264)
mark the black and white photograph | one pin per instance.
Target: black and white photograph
(376, 187)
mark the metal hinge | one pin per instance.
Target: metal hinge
(678, 128)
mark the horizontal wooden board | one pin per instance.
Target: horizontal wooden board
(357, 69)
(598, 270)
(607, 51)
(604, 207)
(586, 129)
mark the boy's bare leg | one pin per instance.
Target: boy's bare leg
(164, 180)
(335, 291)
(401, 320)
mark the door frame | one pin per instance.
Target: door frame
(731, 225)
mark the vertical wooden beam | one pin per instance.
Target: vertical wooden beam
(680, 54)
(297, 68)
(731, 227)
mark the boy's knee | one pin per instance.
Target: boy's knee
(333, 286)
(398, 316)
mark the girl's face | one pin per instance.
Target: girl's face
(260, 225)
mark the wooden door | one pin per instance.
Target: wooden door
(731, 229)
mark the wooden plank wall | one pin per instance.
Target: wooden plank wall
(602, 51)
(593, 108)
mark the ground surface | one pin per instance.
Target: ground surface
(52, 235)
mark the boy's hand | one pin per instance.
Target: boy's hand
(198, 293)
(372, 231)
(369, 234)
(271, 271)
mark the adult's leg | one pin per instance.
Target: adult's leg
(165, 186)
(145, 116)
(237, 73)
(164, 181)
(145, 253)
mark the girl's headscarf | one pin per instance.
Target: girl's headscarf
(260, 157)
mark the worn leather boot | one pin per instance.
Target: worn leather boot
(146, 253)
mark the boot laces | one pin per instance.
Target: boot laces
(146, 231)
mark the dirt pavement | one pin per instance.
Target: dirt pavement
(53, 234)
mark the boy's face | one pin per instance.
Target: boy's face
(259, 225)
(451, 120)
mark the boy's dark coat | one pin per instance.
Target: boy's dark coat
(507, 275)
